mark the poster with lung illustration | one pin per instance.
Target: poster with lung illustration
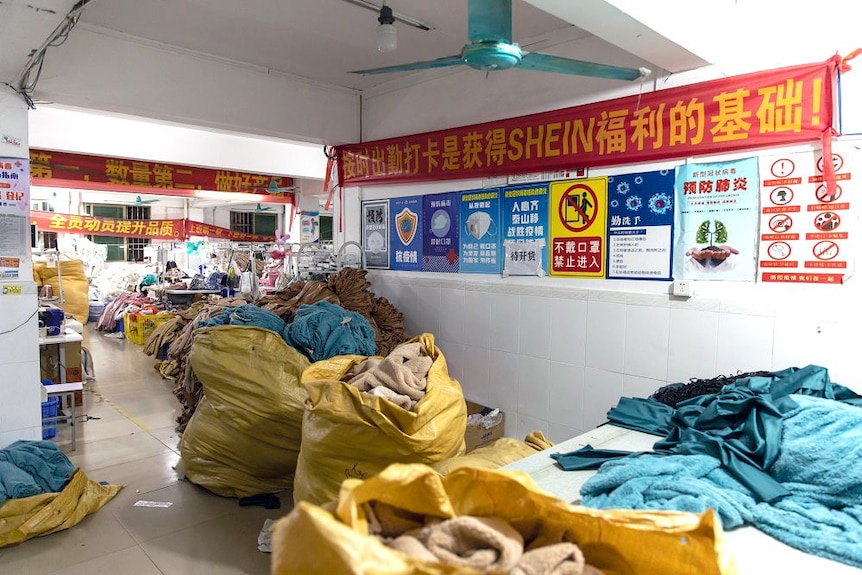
(441, 232)
(640, 225)
(716, 216)
(480, 236)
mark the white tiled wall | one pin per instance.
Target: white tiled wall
(557, 358)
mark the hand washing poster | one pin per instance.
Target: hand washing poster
(441, 225)
(405, 233)
(525, 229)
(640, 225)
(715, 235)
(375, 233)
(578, 225)
(806, 229)
(480, 236)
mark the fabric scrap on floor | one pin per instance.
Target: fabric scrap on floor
(30, 468)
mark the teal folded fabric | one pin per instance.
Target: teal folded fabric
(323, 330)
(818, 463)
(247, 315)
(32, 467)
(587, 458)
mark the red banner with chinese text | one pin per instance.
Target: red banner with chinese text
(215, 232)
(102, 173)
(762, 109)
(87, 225)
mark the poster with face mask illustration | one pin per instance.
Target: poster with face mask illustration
(406, 233)
(440, 232)
(480, 233)
(375, 233)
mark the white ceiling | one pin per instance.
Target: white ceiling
(323, 40)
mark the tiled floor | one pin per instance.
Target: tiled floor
(131, 441)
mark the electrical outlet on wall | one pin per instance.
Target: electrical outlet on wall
(683, 288)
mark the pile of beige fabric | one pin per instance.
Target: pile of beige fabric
(399, 377)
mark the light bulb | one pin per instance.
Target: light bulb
(387, 40)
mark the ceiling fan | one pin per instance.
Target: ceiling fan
(491, 48)
(140, 202)
(260, 208)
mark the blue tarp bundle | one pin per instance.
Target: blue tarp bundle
(31, 468)
(323, 330)
(817, 464)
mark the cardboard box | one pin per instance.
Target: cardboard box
(476, 435)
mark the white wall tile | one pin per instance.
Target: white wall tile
(28, 433)
(505, 322)
(476, 374)
(602, 391)
(534, 386)
(22, 344)
(567, 395)
(559, 433)
(693, 344)
(535, 339)
(569, 331)
(647, 330)
(428, 310)
(452, 315)
(20, 396)
(408, 304)
(524, 425)
(503, 381)
(635, 386)
(606, 329)
(477, 319)
(454, 354)
(744, 343)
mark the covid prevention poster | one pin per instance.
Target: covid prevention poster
(578, 224)
(406, 233)
(806, 230)
(375, 233)
(440, 232)
(640, 225)
(715, 230)
(480, 236)
(525, 223)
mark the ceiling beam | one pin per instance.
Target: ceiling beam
(610, 21)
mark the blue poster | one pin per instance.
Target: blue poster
(480, 237)
(525, 217)
(640, 225)
(440, 232)
(717, 213)
(405, 231)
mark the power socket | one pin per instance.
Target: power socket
(683, 288)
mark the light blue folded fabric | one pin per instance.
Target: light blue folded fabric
(323, 330)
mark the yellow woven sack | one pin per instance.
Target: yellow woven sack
(311, 540)
(502, 452)
(245, 435)
(347, 433)
(28, 517)
(76, 287)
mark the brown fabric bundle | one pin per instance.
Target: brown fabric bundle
(352, 289)
(386, 316)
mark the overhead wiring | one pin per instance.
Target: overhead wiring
(29, 77)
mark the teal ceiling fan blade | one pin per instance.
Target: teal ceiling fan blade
(490, 21)
(547, 63)
(427, 64)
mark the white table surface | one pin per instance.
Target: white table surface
(755, 552)
(69, 337)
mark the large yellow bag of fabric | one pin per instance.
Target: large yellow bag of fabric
(245, 435)
(311, 540)
(76, 286)
(28, 517)
(348, 433)
(502, 452)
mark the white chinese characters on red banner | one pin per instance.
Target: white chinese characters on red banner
(805, 228)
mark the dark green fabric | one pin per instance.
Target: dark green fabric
(587, 458)
(740, 425)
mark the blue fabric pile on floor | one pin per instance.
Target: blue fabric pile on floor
(31, 468)
(809, 494)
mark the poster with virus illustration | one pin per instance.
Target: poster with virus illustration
(640, 225)
(405, 233)
(716, 216)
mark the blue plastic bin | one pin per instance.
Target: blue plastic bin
(49, 409)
